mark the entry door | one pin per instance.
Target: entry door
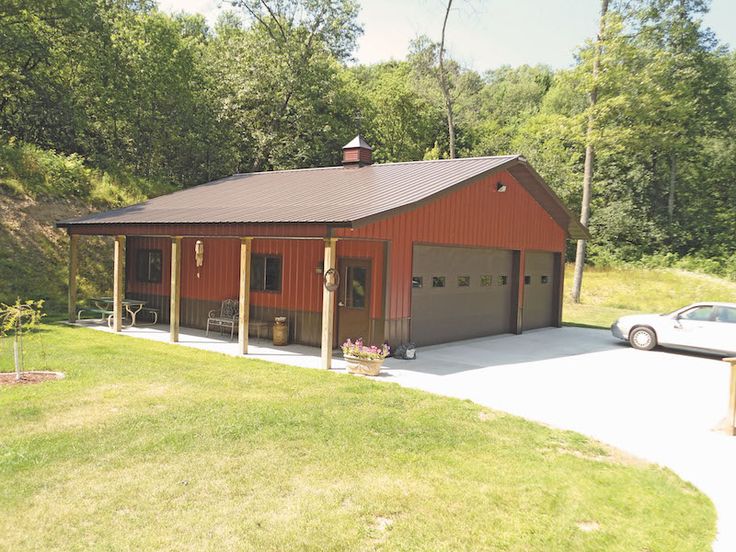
(353, 300)
(725, 335)
(693, 328)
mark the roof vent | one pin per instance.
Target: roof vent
(357, 153)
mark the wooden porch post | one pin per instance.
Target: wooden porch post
(328, 306)
(244, 295)
(117, 288)
(73, 270)
(175, 293)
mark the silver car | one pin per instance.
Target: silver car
(706, 327)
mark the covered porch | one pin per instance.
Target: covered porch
(291, 272)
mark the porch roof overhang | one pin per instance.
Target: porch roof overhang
(311, 202)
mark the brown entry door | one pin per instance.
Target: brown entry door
(353, 300)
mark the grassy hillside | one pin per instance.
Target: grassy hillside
(37, 188)
(612, 292)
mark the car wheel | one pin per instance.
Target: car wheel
(643, 338)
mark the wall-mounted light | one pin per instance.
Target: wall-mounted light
(500, 187)
(320, 268)
(199, 255)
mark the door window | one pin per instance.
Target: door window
(726, 314)
(701, 314)
(356, 288)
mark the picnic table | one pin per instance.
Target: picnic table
(104, 307)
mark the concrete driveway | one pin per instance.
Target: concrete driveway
(660, 406)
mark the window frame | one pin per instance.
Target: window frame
(143, 259)
(684, 315)
(260, 286)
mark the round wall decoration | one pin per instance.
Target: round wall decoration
(332, 279)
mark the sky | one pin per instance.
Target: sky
(481, 34)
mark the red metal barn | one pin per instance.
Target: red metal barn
(426, 251)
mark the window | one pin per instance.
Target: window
(486, 280)
(698, 313)
(148, 265)
(463, 281)
(265, 273)
(726, 314)
(503, 280)
(357, 277)
(527, 280)
(417, 282)
(544, 279)
(438, 281)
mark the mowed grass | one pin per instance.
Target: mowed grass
(609, 293)
(150, 446)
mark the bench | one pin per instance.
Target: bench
(226, 318)
(258, 325)
(149, 311)
(103, 313)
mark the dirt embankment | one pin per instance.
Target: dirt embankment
(34, 254)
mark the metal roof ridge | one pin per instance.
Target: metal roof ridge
(512, 156)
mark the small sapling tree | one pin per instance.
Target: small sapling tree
(16, 320)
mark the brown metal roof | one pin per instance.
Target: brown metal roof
(332, 195)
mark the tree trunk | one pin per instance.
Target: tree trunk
(17, 356)
(445, 85)
(577, 283)
(673, 187)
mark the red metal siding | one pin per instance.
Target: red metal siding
(218, 276)
(476, 215)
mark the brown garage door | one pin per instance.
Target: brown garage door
(540, 290)
(460, 293)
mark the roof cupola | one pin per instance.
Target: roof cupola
(357, 153)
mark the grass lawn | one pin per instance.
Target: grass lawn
(150, 446)
(612, 292)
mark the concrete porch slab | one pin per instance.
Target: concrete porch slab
(302, 356)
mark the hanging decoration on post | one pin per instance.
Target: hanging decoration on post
(199, 255)
(332, 279)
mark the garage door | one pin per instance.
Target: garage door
(460, 293)
(540, 290)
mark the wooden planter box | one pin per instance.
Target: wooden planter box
(364, 366)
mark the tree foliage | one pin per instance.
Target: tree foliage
(272, 86)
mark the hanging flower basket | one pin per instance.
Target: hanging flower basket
(364, 359)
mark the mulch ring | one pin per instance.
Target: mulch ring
(8, 378)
